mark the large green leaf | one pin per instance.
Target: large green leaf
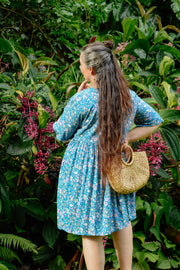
(137, 44)
(51, 211)
(175, 74)
(140, 236)
(161, 35)
(158, 95)
(4, 195)
(141, 9)
(150, 256)
(166, 65)
(73, 237)
(45, 254)
(158, 209)
(139, 85)
(5, 46)
(128, 27)
(140, 53)
(117, 9)
(147, 74)
(19, 147)
(3, 267)
(141, 34)
(53, 99)
(175, 5)
(171, 95)
(151, 246)
(43, 116)
(156, 232)
(50, 233)
(172, 141)
(164, 264)
(43, 61)
(9, 265)
(166, 203)
(174, 263)
(5, 86)
(34, 207)
(42, 92)
(140, 266)
(24, 61)
(174, 217)
(170, 115)
(165, 48)
(57, 263)
(163, 173)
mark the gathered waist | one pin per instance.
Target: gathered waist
(88, 140)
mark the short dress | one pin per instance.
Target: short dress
(84, 206)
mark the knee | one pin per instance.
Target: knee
(91, 239)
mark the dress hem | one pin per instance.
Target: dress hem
(97, 234)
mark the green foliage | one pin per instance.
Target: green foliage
(39, 50)
(176, 7)
(159, 222)
(3, 267)
(9, 242)
(15, 241)
(8, 255)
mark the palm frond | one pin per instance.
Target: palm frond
(7, 254)
(11, 240)
(3, 267)
(7, 265)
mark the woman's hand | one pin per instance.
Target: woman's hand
(83, 86)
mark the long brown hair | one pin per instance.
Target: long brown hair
(114, 100)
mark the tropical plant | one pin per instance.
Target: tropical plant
(33, 94)
(7, 241)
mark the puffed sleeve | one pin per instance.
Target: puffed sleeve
(70, 120)
(145, 115)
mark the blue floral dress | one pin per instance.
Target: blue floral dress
(84, 207)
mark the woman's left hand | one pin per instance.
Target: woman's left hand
(83, 86)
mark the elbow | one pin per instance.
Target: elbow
(61, 137)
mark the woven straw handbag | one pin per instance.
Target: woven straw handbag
(132, 175)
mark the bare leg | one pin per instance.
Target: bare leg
(123, 244)
(93, 252)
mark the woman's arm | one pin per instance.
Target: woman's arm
(138, 133)
(66, 126)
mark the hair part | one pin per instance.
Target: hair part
(114, 100)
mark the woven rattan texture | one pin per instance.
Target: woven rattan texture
(131, 177)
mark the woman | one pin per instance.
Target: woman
(98, 119)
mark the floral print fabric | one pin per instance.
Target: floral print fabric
(84, 206)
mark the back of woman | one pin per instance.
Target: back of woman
(98, 120)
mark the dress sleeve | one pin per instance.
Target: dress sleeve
(145, 115)
(70, 120)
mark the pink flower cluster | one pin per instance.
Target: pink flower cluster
(44, 142)
(105, 239)
(126, 57)
(154, 148)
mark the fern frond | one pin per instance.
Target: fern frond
(7, 265)
(7, 254)
(3, 267)
(11, 240)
